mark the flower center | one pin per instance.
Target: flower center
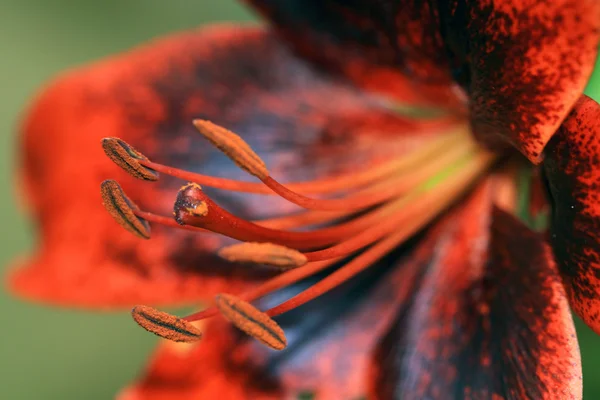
(358, 217)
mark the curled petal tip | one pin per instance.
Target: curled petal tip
(233, 147)
(165, 325)
(128, 159)
(264, 253)
(122, 209)
(252, 321)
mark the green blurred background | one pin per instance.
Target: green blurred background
(56, 354)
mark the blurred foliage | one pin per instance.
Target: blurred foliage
(47, 353)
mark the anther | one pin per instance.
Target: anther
(233, 147)
(122, 209)
(264, 253)
(128, 159)
(165, 325)
(251, 320)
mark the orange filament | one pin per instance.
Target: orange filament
(240, 152)
(348, 271)
(303, 218)
(220, 221)
(273, 284)
(380, 249)
(423, 208)
(378, 193)
(373, 211)
(325, 185)
(451, 191)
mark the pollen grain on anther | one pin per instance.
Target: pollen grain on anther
(252, 321)
(128, 158)
(122, 209)
(263, 253)
(234, 147)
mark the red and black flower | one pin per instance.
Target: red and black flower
(391, 262)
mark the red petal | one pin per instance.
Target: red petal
(331, 340)
(490, 319)
(221, 366)
(386, 46)
(523, 63)
(239, 77)
(328, 352)
(528, 63)
(572, 169)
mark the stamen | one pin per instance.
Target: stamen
(331, 184)
(380, 208)
(424, 205)
(122, 209)
(238, 151)
(425, 213)
(292, 221)
(380, 249)
(225, 223)
(139, 166)
(278, 282)
(252, 321)
(234, 147)
(165, 325)
(348, 271)
(264, 253)
(211, 181)
(376, 194)
(448, 190)
(128, 158)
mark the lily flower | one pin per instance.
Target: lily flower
(349, 199)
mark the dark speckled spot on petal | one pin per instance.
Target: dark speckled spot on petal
(572, 168)
(388, 46)
(490, 318)
(523, 63)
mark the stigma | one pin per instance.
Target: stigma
(352, 219)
